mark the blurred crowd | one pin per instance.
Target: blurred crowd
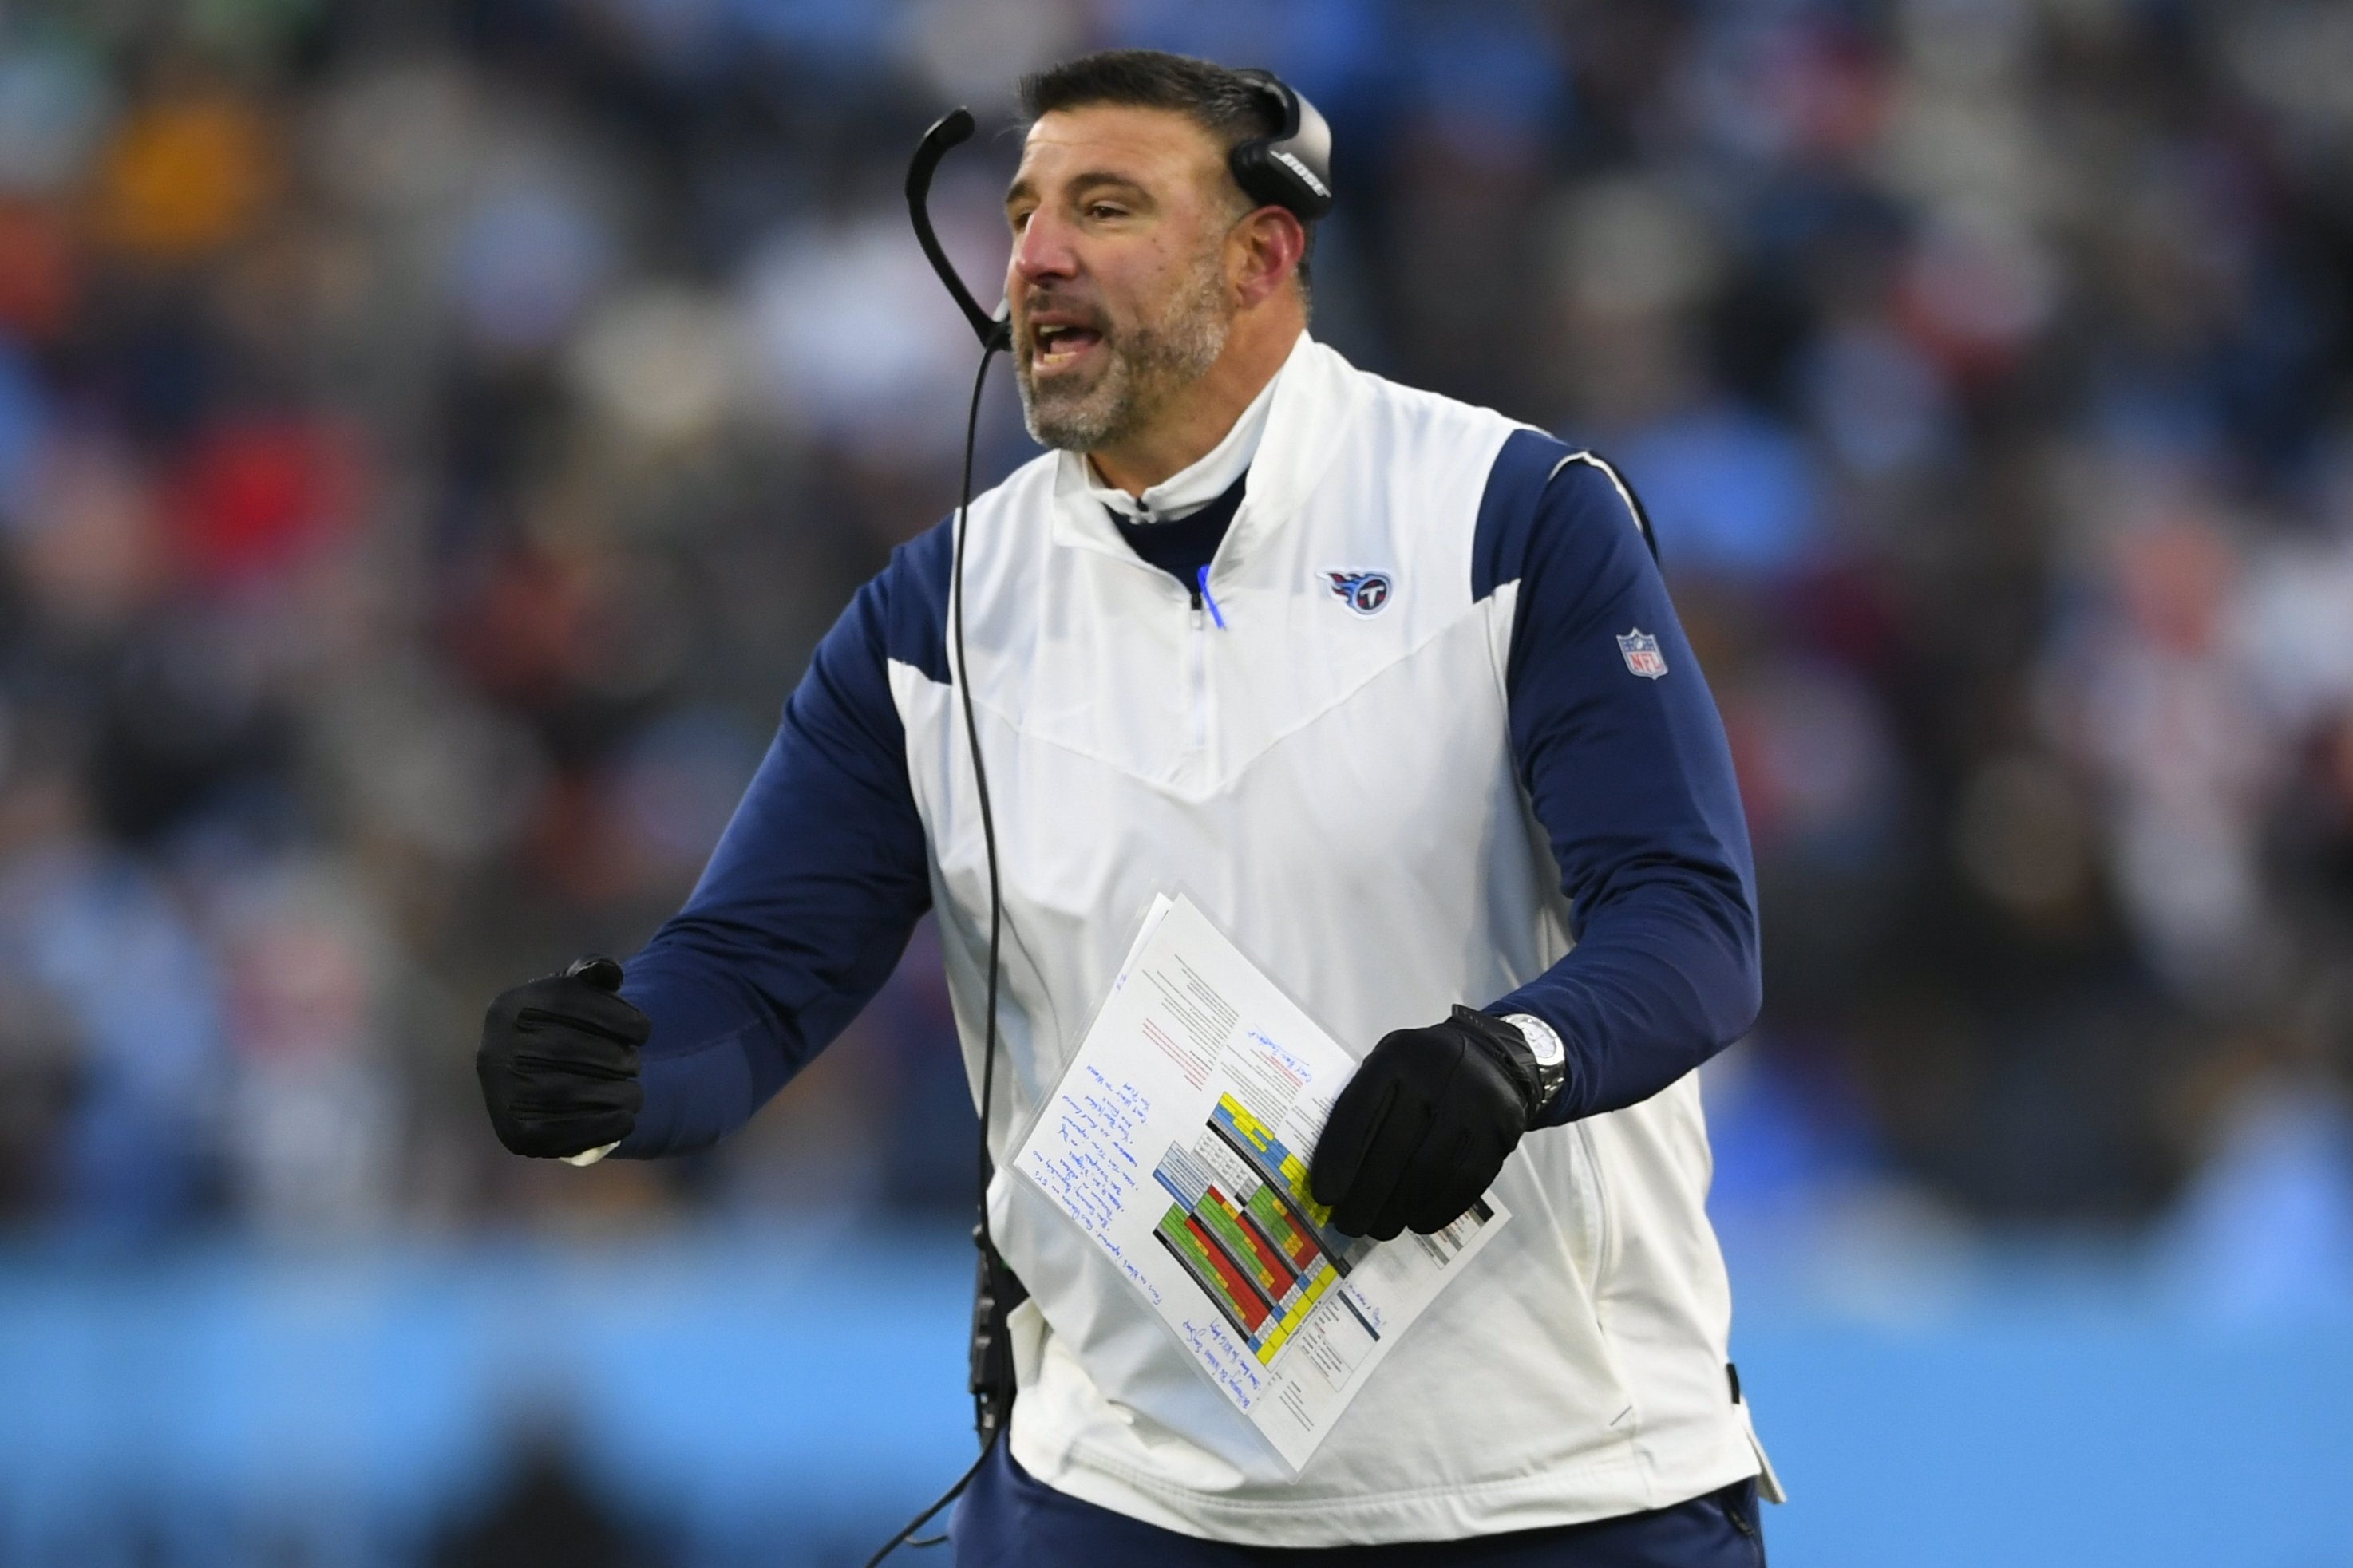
(433, 435)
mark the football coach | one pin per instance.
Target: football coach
(1390, 686)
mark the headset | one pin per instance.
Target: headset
(1291, 169)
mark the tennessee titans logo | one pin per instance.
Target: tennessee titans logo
(1362, 592)
(1642, 655)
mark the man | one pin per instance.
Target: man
(1391, 687)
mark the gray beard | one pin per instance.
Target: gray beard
(1145, 368)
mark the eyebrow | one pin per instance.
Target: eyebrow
(1022, 188)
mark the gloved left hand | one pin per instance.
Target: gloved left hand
(1424, 1127)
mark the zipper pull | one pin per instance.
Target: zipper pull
(1201, 595)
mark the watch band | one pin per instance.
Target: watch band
(1551, 1054)
(1526, 1044)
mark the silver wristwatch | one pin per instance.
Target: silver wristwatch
(1543, 1044)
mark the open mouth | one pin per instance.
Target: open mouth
(1059, 343)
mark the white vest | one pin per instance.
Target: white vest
(1334, 789)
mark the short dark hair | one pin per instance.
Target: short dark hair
(1229, 105)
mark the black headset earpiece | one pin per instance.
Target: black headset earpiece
(1291, 168)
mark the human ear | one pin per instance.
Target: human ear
(1262, 251)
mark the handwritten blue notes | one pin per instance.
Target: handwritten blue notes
(1091, 1168)
(1228, 1363)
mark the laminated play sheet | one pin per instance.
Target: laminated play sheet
(1179, 1140)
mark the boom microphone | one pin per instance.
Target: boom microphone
(950, 130)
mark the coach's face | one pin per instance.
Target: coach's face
(1118, 281)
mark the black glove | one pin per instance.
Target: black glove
(559, 1062)
(1423, 1128)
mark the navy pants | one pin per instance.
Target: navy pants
(1007, 1519)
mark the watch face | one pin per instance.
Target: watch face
(1542, 1041)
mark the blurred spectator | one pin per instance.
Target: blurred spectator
(105, 957)
(893, 387)
(189, 169)
(311, 1127)
(2171, 729)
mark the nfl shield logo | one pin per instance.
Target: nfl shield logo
(1642, 655)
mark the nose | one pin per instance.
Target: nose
(1043, 250)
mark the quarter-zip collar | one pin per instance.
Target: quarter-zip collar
(1314, 403)
(1183, 546)
(1307, 409)
(1187, 490)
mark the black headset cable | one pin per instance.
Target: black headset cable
(906, 1537)
(980, 787)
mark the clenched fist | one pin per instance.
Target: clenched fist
(559, 1062)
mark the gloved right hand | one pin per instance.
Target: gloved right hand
(1424, 1127)
(559, 1062)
